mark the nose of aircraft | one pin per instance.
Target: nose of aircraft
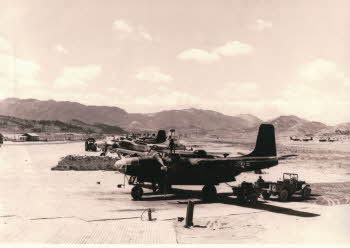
(125, 165)
(121, 165)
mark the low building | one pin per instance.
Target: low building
(61, 136)
(32, 136)
(14, 137)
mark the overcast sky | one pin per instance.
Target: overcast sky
(265, 58)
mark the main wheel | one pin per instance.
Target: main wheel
(209, 193)
(306, 192)
(284, 195)
(266, 195)
(137, 192)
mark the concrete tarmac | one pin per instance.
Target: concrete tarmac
(38, 205)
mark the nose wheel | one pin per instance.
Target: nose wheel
(137, 192)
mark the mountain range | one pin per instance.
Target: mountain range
(186, 120)
(10, 124)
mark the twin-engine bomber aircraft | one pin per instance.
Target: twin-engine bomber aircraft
(160, 172)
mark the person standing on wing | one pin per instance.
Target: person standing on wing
(172, 146)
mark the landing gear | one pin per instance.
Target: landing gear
(160, 188)
(137, 192)
(209, 193)
(164, 188)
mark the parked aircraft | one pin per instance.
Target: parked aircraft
(162, 171)
(294, 138)
(308, 138)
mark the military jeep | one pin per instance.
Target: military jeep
(286, 188)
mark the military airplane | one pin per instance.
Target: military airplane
(160, 138)
(160, 172)
(308, 138)
(145, 145)
(129, 146)
(90, 145)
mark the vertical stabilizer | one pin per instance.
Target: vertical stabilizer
(161, 136)
(265, 142)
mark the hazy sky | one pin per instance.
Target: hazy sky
(266, 58)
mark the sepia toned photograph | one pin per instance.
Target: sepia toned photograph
(166, 122)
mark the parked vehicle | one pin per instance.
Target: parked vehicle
(246, 193)
(286, 188)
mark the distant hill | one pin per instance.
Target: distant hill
(185, 119)
(293, 125)
(33, 109)
(190, 120)
(13, 124)
(343, 128)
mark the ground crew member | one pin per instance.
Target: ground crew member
(260, 181)
(163, 183)
(172, 146)
(160, 160)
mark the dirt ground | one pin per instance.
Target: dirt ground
(38, 205)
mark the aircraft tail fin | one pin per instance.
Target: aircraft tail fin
(265, 142)
(161, 136)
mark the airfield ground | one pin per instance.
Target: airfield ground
(38, 205)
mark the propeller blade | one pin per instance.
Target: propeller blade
(120, 155)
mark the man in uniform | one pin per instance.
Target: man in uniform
(172, 146)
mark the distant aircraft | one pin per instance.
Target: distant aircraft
(160, 172)
(90, 145)
(308, 138)
(332, 139)
(144, 145)
(160, 138)
(294, 138)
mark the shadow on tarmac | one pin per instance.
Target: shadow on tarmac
(225, 198)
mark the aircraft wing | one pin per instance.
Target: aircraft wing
(224, 154)
(130, 152)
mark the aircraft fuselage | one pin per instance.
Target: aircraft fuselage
(192, 171)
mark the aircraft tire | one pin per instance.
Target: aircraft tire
(209, 193)
(284, 195)
(136, 193)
